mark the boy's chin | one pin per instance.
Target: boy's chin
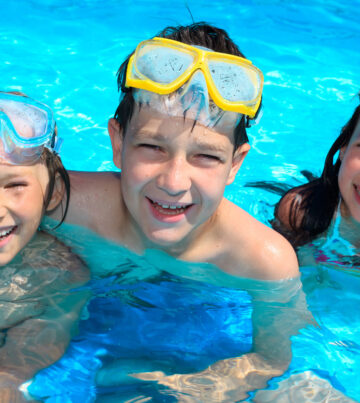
(167, 240)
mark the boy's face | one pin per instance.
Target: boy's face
(173, 175)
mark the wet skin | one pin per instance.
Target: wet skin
(173, 177)
(349, 176)
(22, 194)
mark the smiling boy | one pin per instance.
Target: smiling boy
(179, 138)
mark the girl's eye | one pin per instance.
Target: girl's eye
(16, 185)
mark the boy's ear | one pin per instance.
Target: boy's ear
(238, 159)
(116, 137)
(58, 193)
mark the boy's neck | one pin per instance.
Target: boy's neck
(134, 239)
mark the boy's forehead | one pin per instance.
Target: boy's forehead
(191, 101)
(152, 120)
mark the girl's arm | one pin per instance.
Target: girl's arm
(46, 309)
(38, 342)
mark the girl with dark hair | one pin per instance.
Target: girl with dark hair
(309, 211)
(37, 271)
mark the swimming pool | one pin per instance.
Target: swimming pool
(66, 53)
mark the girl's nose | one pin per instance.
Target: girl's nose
(4, 206)
(175, 179)
(3, 210)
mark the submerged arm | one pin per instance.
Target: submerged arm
(44, 310)
(231, 379)
(38, 342)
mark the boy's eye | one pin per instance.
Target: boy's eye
(150, 146)
(210, 157)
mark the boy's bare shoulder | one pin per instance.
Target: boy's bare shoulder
(93, 195)
(93, 185)
(254, 249)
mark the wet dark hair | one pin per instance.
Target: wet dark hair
(54, 166)
(313, 205)
(201, 34)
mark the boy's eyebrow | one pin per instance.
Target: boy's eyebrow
(209, 146)
(203, 144)
(139, 135)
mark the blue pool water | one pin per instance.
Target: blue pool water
(66, 54)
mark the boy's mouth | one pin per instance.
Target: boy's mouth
(170, 209)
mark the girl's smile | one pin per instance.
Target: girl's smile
(349, 175)
(22, 194)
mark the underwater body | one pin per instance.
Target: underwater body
(67, 54)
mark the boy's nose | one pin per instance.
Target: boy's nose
(194, 94)
(175, 179)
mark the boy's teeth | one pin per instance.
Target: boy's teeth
(167, 206)
(169, 209)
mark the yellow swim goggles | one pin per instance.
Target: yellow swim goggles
(163, 65)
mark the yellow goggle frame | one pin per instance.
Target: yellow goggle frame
(201, 59)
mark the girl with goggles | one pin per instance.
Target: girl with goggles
(31, 170)
(36, 269)
(26, 128)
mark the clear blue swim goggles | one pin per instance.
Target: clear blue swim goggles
(26, 127)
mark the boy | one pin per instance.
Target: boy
(179, 138)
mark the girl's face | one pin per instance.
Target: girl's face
(22, 194)
(349, 175)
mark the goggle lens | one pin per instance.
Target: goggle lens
(162, 65)
(234, 82)
(26, 127)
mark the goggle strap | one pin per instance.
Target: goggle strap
(58, 141)
(123, 86)
(256, 119)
